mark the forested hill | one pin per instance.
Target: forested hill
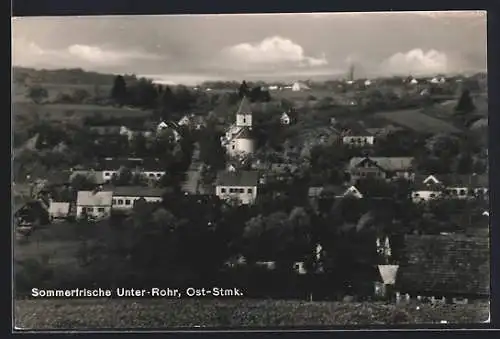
(76, 76)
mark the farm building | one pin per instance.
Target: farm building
(238, 185)
(124, 197)
(299, 86)
(452, 186)
(95, 204)
(59, 210)
(379, 167)
(445, 265)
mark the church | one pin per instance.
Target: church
(238, 139)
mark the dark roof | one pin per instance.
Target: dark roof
(138, 191)
(237, 178)
(117, 163)
(58, 177)
(105, 129)
(244, 107)
(244, 133)
(445, 264)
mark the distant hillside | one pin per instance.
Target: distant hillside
(74, 76)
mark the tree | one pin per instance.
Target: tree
(243, 90)
(37, 94)
(167, 103)
(80, 95)
(465, 104)
(119, 90)
(82, 183)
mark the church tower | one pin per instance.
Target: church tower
(244, 114)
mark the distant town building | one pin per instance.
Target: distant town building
(298, 86)
(240, 186)
(124, 197)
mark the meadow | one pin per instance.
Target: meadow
(192, 313)
(418, 121)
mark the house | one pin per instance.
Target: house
(238, 185)
(285, 119)
(450, 186)
(239, 139)
(95, 204)
(452, 265)
(368, 82)
(150, 168)
(299, 86)
(379, 167)
(59, 210)
(426, 188)
(130, 133)
(357, 136)
(124, 197)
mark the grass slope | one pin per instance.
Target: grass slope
(414, 119)
(169, 313)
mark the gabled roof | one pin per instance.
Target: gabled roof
(385, 163)
(94, 198)
(138, 191)
(237, 178)
(447, 264)
(244, 107)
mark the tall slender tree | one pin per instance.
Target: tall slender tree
(119, 90)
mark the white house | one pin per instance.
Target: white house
(368, 82)
(240, 186)
(285, 119)
(450, 186)
(124, 197)
(298, 86)
(185, 120)
(414, 81)
(58, 210)
(95, 204)
(357, 136)
(426, 188)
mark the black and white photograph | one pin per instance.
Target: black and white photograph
(250, 171)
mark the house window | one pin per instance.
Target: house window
(158, 175)
(241, 190)
(231, 190)
(114, 201)
(244, 120)
(90, 209)
(416, 195)
(249, 190)
(120, 201)
(462, 192)
(454, 192)
(127, 202)
(151, 175)
(432, 195)
(107, 174)
(100, 209)
(232, 147)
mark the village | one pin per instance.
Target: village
(368, 208)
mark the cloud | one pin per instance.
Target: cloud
(417, 61)
(30, 54)
(271, 52)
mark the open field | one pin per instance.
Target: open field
(188, 313)
(74, 111)
(418, 121)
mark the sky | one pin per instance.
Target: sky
(190, 49)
